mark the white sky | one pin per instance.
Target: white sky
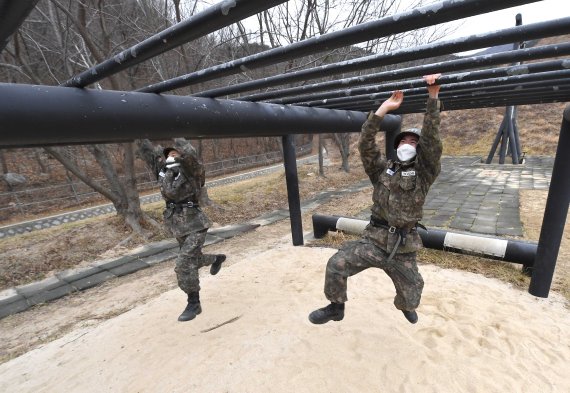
(531, 13)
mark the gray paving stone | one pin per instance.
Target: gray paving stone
(160, 257)
(464, 226)
(465, 215)
(229, 231)
(113, 263)
(211, 239)
(13, 307)
(270, 218)
(511, 231)
(486, 229)
(47, 284)
(72, 275)
(128, 268)
(93, 280)
(52, 294)
(8, 296)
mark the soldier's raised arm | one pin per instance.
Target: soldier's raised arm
(369, 151)
(190, 161)
(151, 155)
(431, 148)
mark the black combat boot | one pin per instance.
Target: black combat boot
(332, 312)
(216, 266)
(411, 316)
(192, 309)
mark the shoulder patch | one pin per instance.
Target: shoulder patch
(161, 174)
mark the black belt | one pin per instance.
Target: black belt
(378, 222)
(173, 205)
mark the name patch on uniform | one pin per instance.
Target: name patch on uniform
(409, 173)
(390, 172)
(161, 174)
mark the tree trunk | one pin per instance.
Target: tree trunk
(3, 162)
(343, 143)
(321, 151)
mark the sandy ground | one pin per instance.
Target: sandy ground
(475, 334)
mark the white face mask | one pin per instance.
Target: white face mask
(406, 152)
(171, 163)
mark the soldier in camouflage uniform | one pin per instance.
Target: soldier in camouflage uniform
(181, 176)
(390, 241)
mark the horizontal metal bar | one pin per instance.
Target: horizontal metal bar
(543, 97)
(429, 15)
(478, 41)
(532, 93)
(213, 18)
(348, 84)
(452, 84)
(48, 115)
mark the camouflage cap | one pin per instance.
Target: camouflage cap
(408, 131)
(167, 150)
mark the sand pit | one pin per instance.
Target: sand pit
(474, 335)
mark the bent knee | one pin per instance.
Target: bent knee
(337, 264)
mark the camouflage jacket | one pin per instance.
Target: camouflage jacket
(178, 185)
(400, 189)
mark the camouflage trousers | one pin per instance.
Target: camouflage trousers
(190, 259)
(356, 256)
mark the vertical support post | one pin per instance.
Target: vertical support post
(554, 215)
(512, 139)
(504, 140)
(496, 141)
(290, 162)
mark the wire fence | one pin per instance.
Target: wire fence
(30, 201)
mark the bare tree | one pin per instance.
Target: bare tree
(68, 37)
(301, 19)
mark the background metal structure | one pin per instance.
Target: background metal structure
(106, 116)
(508, 133)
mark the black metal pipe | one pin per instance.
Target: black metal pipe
(494, 101)
(453, 85)
(555, 215)
(545, 96)
(473, 76)
(528, 32)
(292, 180)
(44, 115)
(506, 250)
(496, 141)
(466, 63)
(512, 140)
(213, 18)
(12, 14)
(517, 138)
(444, 11)
(533, 92)
(556, 90)
(50, 115)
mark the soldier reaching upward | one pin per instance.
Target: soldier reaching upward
(181, 176)
(390, 241)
